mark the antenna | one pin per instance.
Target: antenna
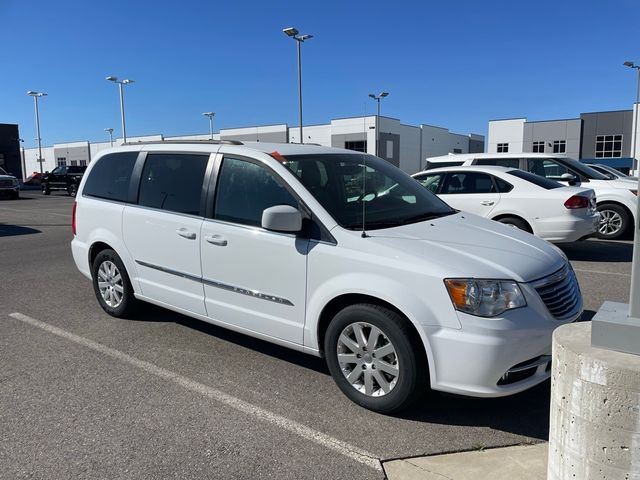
(364, 178)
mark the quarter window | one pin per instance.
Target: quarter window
(503, 147)
(538, 147)
(468, 182)
(173, 182)
(110, 176)
(608, 146)
(245, 190)
(559, 146)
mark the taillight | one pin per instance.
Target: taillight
(73, 217)
(577, 201)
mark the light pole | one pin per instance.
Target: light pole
(210, 115)
(300, 39)
(377, 99)
(634, 297)
(35, 96)
(121, 83)
(110, 132)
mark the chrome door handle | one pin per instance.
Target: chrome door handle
(487, 203)
(188, 234)
(216, 240)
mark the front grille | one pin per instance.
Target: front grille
(6, 183)
(560, 293)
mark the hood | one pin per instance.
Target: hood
(7, 177)
(468, 246)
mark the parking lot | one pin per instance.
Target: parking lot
(83, 394)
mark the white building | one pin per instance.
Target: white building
(405, 146)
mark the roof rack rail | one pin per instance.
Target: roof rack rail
(212, 142)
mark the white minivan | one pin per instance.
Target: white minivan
(617, 198)
(297, 245)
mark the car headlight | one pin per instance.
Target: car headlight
(484, 298)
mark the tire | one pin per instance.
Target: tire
(109, 270)
(614, 221)
(45, 189)
(394, 392)
(72, 190)
(515, 222)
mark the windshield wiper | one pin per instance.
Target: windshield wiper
(423, 217)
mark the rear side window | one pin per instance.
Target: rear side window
(543, 182)
(110, 177)
(245, 190)
(73, 169)
(173, 182)
(501, 162)
(468, 182)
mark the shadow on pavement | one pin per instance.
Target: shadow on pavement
(598, 251)
(13, 230)
(526, 413)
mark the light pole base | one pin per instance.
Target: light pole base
(613, 329)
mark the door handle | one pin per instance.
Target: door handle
(216, 240)
(487, 203)
(188, 234)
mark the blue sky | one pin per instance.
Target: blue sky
(455, 64)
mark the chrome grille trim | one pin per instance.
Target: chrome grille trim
(560, 293)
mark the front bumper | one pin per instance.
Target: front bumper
(495, 357)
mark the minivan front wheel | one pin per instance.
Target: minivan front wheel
(372, 354)
(111, 284)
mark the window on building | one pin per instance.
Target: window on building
(503, 147)
(538, 147)
(608, 146)
(358, 145)
(74, 163)
(173, 182)
(62, 161)
(83, 163)
(559, 146)
(245, 190)
(457, 150)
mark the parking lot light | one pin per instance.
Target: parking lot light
(35, 96)
(110, 132)
(210, 115)
(293, 32)
(120, 83)
(377, 99)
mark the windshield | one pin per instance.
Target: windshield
(339, 183)
(583, 169)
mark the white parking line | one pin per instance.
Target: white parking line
(292, 426)
(601, 272)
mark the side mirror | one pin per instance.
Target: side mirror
(567, 177)
(282, 218)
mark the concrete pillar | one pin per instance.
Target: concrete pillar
(595, 409)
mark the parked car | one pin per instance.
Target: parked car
(521, 199)
(617, 198)
(611, 172)
(297, 245)
(63, 178)
(34, 179)
(9, 185)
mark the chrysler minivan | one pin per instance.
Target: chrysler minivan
(296, 245)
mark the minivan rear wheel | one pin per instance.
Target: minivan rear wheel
(111, 284)
(372, 354)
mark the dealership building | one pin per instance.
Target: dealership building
(405, 146)
(594, 137)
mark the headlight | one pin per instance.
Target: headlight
(484, 298)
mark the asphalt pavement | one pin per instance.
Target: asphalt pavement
(162, 395)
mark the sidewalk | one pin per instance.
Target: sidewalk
(527, 462)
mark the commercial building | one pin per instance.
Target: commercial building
(594, 137)
(405, 146)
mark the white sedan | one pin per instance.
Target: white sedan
(524, 200)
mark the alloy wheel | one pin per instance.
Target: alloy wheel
(110, 284)
(368, 359)
(610, 222)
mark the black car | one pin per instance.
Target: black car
(63, 178)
